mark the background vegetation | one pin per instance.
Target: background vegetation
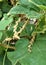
(22, 32)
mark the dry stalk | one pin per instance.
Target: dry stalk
(23, 27)
(12, 2)
(31, 42)
(7, 39)
(16, 34)
(17, 22)
(7, 46)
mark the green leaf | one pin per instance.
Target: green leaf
(7, 61)
(5, 6)
(28, 30)
(4, 23)
(21, 48)
(29, 4)
(40, 2)
(41, 23)
(37, 57)
(42, 7)
(23, 10)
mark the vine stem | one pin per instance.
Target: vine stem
(4, 59)
(5, 46)
(5, 55)
(15, 26)
(31, 42)
(23, 27)
(16, 34)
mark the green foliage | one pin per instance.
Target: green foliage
(4, 24)
(37, 57)
(17, 32)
